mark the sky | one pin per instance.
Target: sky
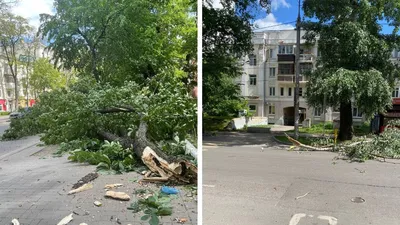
(30, 9)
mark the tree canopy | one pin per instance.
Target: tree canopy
(45, 77)
(227, 34)
(354, 67)
(122, 40)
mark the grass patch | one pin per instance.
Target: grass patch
(284, 139)
(4, 113)
(214, 123)
(359, 130)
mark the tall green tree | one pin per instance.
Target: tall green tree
(14, 28)
(227, 34)
(354, 67)
(45, 77)
(122, 40)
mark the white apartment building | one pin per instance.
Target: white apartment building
(269, 87)
(7, 82)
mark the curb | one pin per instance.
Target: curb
(280, 142)
(17, 151)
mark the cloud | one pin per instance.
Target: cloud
(275, 4)
(31, 9)
(270, 23)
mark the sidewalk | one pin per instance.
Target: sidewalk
(34, 187)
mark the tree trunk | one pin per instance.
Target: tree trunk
(16, 93)
(346, 121)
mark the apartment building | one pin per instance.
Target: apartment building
(7, 84)
(269, 86)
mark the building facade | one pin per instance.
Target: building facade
(268, 81)
(7, 85)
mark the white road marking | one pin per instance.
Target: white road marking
(331, 220)
(297, 217)
(208, 185)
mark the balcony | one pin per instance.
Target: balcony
(290, 79)
(286, 58)
(306, 57)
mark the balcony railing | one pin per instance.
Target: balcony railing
(306, 57)
(290, 78)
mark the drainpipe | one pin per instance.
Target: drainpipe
(264, 75)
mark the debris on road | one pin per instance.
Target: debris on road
(118, 195)
(361, 171)
(181, 220)
(83, 224)
(302, 196)
(169, 190)
(111, 186)
(86, 179)
(15, 222)
(97, 203)
(66, 220)
(82, 188)
(358, 200)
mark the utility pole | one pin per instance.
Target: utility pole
(264, 77)
(296, 92)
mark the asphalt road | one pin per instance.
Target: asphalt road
(258, 184)
(4, 123)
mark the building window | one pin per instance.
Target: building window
(300, 91)
(271, 109)
(272, 91)
(252, 108)
(272, 72)
(290, 92)
(8, 93)
(286, 69)
(271, 53)
(285, 49)
(282, 91)
(357, 113)
(253, 79)
(253, 60)
(305, 67)
(395, 93)
(317, 112)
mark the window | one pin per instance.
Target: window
(252, 108)
(272, 91)
(9, 79)
(290, 92)
(253, 79)
(253, 60)
(357, 113)
(271, 53)
(8, 93)
(271, 109)
(286, 69)
(305, 67)
(272, 72)
(285, 49)
(300, 91)
(282, 91)
(317, 111)
(395, 93)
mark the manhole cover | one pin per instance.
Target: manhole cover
(358, 200)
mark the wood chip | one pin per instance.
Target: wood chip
(66, 220)
(97, 203)
(82, 188)
(110, 186)
(15, 222)
(118, 195)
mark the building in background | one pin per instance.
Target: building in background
(268, 85)
(7, 85)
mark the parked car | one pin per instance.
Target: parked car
(20, 113)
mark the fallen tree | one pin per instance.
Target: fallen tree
(164, 167)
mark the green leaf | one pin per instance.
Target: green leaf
(145, 217)
(154, 220)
